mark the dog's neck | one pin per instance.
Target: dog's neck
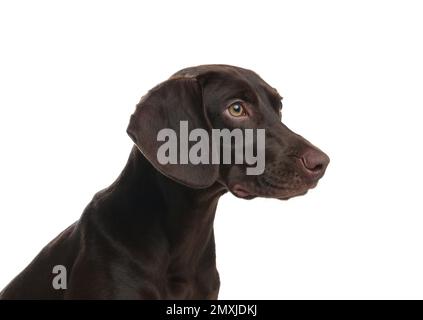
(180, 216)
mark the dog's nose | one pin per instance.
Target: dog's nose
(314, 163)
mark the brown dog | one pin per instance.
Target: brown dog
(150, 234)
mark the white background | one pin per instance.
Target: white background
(351, 73)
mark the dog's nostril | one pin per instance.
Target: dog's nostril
(317, 168)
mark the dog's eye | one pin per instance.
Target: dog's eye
(237, 110)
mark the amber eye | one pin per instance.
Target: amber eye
(237, 110)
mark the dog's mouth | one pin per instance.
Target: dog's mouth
(290, 195)
(243, 192)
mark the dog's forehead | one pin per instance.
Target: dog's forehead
(229, 72)
(220, 69)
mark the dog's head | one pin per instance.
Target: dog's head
(212, 97)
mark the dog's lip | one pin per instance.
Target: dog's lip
(312, 185)
(299, 193)
(241, 192)
(287, 197)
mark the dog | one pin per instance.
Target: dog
(149, 235)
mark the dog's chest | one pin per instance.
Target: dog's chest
(202, 285)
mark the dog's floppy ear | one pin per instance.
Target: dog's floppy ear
(165, 106)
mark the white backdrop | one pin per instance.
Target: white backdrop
(351, 74)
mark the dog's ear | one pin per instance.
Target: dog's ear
(164, 107)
